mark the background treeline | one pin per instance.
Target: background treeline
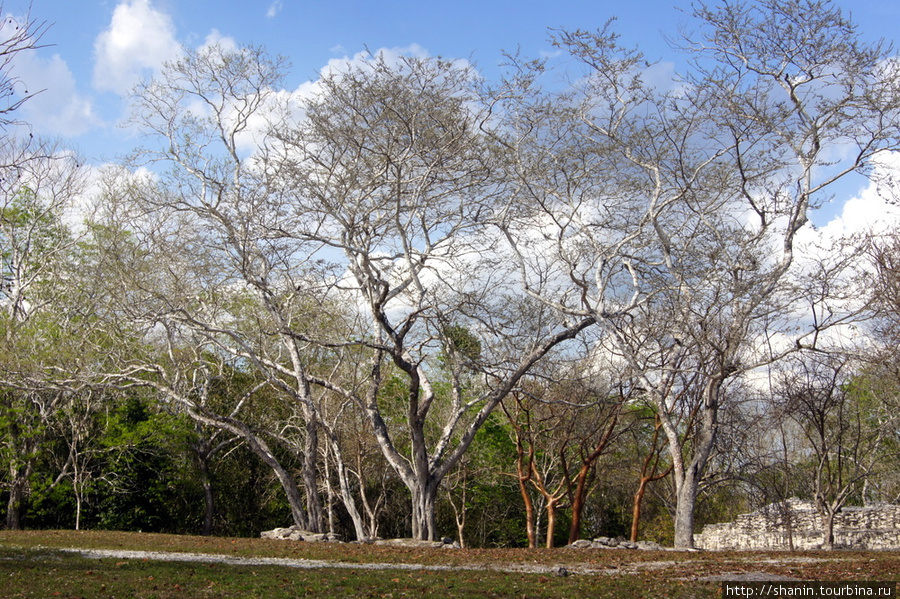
(404, 300)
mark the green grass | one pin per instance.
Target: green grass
(31, 565)
(44, 574)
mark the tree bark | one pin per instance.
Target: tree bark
(645, 480)
(15, 505)
(288, 484)
(636, 508)
(208, 498)
(578, 501)
(523, 476)
(828, 540)
(551, 521)
(424, 497)
(346, 489)
(687, 479)
(310, 475)
(686, 502)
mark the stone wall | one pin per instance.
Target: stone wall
(870, 527)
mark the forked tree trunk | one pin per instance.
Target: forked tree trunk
(424, 498)
(687, 478)
(346, 489)
(523, 479)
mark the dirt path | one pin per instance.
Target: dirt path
(309, 564)
(740, 572)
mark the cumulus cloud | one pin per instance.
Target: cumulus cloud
(875, 209)
(139, 38)
(225, 42)
(57, 109)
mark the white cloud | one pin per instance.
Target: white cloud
(876, 209)
(139, 38)
(274, 9)
(57, 109)
(215, 38)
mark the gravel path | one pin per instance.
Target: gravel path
(550, 570)
(310, 564)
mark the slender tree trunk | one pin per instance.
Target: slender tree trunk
(460, 517)
(310, 475)
(578, 501)
(581, 486)
(529, 505)
(639, 500)
(828, 539)
(551, 521)
(288, 484)
(208, 498)
(645, 480)
(789, 523)
(346, 489)
(79, 493)
(636, 508)
(459, 512)
(523, 477)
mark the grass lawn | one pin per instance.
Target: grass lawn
(32, 565)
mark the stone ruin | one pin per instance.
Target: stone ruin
(873, 527)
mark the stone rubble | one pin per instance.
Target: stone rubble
(616, 543)
(295, 533)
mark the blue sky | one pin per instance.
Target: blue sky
(99, 48)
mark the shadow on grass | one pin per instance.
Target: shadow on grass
(44, 573)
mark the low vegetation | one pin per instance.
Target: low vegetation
(34, 564)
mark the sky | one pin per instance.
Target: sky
(96, 50)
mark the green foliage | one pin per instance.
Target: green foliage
(495, 515)
(459, 341)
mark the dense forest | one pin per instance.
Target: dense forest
(584, 298)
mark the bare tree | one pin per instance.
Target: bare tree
(670, 213)
(227, 285)
(561, 433)
(17, 35)
(651, 471)
(845, 427)
(392, 172)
